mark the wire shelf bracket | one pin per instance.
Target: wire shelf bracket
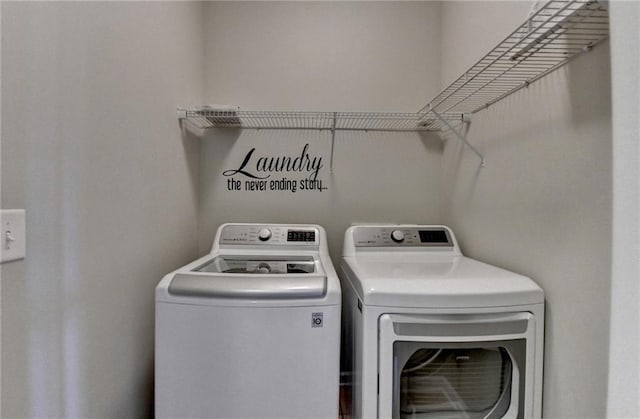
(466, 119)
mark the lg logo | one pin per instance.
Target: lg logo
(316, 319)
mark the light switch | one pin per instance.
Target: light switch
(12, 235)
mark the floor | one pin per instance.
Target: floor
(345, 401)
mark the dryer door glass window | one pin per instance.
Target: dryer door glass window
(462, 382)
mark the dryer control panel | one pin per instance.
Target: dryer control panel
(368, 236)
(269, 234)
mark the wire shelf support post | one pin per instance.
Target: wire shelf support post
(462, 138)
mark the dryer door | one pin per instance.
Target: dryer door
(455, 366)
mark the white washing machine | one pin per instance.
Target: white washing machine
(252, 330)
(434, 334)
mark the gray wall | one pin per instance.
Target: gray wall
(323, 56)
(542, 204)
(92, 150)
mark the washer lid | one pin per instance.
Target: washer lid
(260, 287)
(408, 279)
(252, 276)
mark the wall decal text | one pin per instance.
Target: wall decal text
(267, 173)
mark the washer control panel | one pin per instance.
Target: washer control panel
(402, 236)
(269, 234)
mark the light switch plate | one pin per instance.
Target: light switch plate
(12, 235)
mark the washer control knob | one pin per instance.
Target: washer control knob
(264, 234)
(397, 236)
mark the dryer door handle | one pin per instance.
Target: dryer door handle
(249, 287)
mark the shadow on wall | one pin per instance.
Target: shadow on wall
(191, 145)
(573, 99)
(432, 142)
(587, 87)
(192, 135)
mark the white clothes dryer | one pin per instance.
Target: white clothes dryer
(434, 334)
(252, 330)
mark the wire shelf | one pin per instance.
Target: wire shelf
(335, 121)
(557, 32)
(553, 35)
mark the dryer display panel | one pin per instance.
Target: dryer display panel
(433, 236)
(402, 236)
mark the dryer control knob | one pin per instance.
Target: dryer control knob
(264, 234)
(397, 236)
